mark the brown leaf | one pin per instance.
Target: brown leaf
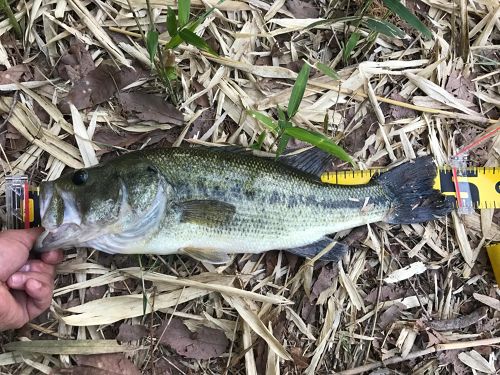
(100, 85)
(202, 101)
(13, 74)
(298, 359)
(460, 86)
(129, 332)
(390, 315)
(302, 9)
(450, 357)
(397, 112)
(76, 63)
(101, 364)
(206, 343)
(324, 281)
(149, 107)
(459, 322)
(387, 293)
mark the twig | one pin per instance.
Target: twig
(433, 349)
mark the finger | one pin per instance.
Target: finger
(14, 249)
(53, 257)
(35, 265)
(18, 280)
(40, 294)
(12, 315)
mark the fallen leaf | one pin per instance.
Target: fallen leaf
(206, 343)
(406, 272)
(101, 364)
(201, 125)
(13, 74)
(450, 357)
(460, 86)
(149, 107)
(477, 362)
(131, 332)
(397, 112)
(302, 9)
(390, 315)
(387, 293)
(76, 63)
(324, 281)
(100, 85)
(298, 359)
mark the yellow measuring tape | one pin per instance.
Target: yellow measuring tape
(479, 186)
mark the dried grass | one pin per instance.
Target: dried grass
(428, 96)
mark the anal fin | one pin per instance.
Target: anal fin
(213, 256)
(311, 250)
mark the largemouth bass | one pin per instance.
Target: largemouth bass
(211, 202)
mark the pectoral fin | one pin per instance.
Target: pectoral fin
(206, 255)
(310, 251)
(208, 212)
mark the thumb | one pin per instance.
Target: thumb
(15, 246)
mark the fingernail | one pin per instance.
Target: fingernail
(16, 280)
(25, 268)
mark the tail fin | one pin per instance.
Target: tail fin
(410, 185)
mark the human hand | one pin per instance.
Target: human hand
(25, 285)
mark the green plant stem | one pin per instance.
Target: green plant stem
(7, 10)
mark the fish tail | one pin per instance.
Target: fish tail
(414, 199)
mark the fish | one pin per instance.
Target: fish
(213, 202)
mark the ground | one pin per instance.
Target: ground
(406, 299)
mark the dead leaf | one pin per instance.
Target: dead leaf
(101, 364)
(100, 85)
(298, 359)
(460, 86)
(302, 9)
(206, 343)
(149, 107)
(202, 101)
(450, 357)
(390, 315)
(323, 282)
(107, 137)
(131, 332)
(459, 322)
(202, 124)
(397, 112)
(387, 293)
(13, 74)
(76, 63)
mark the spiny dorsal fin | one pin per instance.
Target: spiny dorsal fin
(208, 212)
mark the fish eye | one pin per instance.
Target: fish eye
(80, 177)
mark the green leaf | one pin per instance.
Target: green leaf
(170, 73)
(320, 141)
(298, 90)
(171, 22)
(191, 38)
(408, 16)
(266, 120)
(281, 116)
(260, 140)
(283, 142)
(326, 70)
(184, 7)
(383, 27)
(351, 43)
(152, 43)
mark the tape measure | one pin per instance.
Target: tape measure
(478, 187)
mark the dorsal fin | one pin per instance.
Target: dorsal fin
(310, 160)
